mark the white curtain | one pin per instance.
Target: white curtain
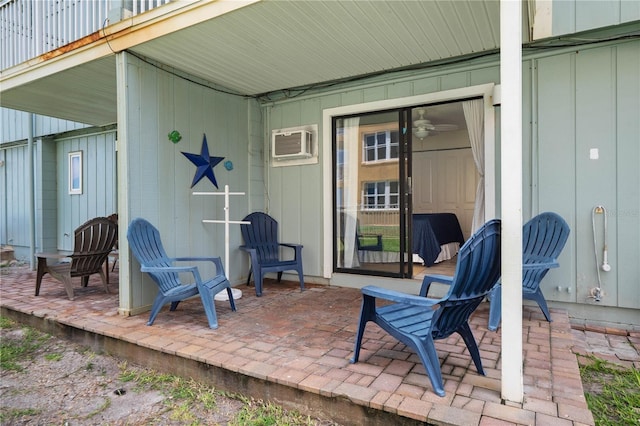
(351, 190)
(474, 116)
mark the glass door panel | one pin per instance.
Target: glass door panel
(368, 194)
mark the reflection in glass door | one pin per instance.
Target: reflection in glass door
(368, 194)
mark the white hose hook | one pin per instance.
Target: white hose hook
(605, 261)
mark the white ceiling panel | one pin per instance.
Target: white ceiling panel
(275, 45)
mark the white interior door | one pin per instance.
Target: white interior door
(445, 182)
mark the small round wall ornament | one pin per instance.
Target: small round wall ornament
(228, 165)
(175, 136)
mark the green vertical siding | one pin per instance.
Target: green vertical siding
(571, 16)
(99, 194)
(627, 210)
(160, 176)
(554, 155)
(14, 229)
(573, 101)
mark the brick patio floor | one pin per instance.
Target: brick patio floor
(293, 348)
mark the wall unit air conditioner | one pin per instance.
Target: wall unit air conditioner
(290, 145)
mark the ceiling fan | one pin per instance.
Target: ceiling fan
(423, 127)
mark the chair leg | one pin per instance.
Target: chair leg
(68, 286)
(301, 278)
(105, 280)
(155, 308)
(206, 295)
(232, 302)
(258, 283)
(208, 291)
(249, 277)
(472, 346)
(495, 308)
(426, 350)
(367, 313)
(539, 298)
(64, 276)
(42, 269)
(279, 276)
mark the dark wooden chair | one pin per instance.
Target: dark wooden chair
(261, 243)
(93, 242)
(543, 238)
(115, 254)
(418, 321)
(146, 246)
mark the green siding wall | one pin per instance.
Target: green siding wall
(158, 184)
(99, 193)
(591, 100)
(571, 16)
(573, 101)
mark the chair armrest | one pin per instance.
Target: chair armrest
(291, 245)
(428, 279)
(539, 263)
(167, 269)
(296, 247)
(216, 261)
(54, 255)
(397, 296)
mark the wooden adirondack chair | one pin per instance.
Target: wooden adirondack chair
(146, 246)
(261, 243)
(93, 242)
(417, 321)
(543, 239)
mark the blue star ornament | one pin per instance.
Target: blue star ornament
(204, 164)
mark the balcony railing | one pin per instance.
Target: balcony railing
(30, 28)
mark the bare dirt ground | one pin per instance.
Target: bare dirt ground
(64, 384)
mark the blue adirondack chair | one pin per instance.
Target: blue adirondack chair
(360, 237)
(543, 238)
(261, 242)
(418, 321)
(146, 246)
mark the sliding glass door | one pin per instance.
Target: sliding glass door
(371, 202)
(406, 186)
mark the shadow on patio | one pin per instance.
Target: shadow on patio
(293, 348)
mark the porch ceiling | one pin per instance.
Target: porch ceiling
(274, 45)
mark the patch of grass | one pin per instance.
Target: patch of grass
(185, 394)
(612, 392)
(54, 356)
(23, 346)
(8, 414)
(261, 413)
(6, 322)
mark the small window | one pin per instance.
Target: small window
(381, 195)
(381, 146)
(75, 172)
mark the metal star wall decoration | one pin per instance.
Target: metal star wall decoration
(204, 164)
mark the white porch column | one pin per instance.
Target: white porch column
(511, 182)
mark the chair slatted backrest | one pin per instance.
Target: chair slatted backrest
(477, 271)
(146, 246)
(543, 238)
(93, 241)
(261, 235)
